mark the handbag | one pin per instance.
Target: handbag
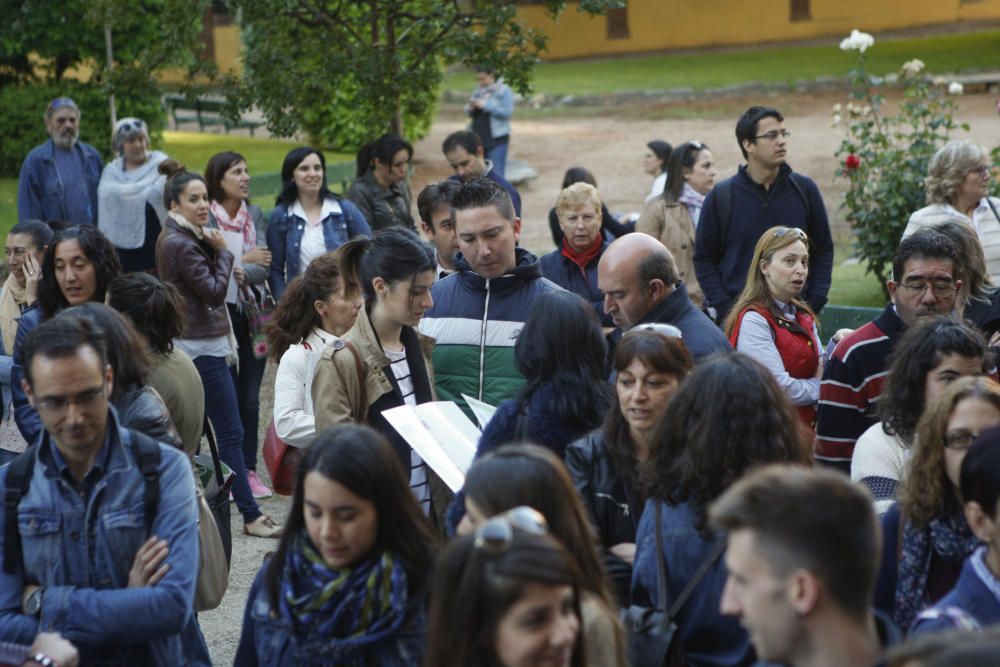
(651, 632)
(259, 312)
(215, 536)
(282, 462)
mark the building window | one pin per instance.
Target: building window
(799, 11)
(618, 23)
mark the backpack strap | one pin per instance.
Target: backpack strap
(724, 202)
(713, 556)
(148, 452)
(793, 178)
(19, 473)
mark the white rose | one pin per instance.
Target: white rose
(857, 41)
(955, 88)
(837, 108)
(836, 119)
(913, 67)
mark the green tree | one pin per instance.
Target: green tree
(347, 71)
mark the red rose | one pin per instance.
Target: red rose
(852, 161)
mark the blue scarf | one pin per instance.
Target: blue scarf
(340, 616)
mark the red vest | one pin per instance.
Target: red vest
(795, 345)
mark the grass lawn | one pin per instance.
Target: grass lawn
(942, 53)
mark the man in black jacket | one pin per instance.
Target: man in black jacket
(764, 193)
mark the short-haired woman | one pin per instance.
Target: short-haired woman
(957, 185)
(381, 190)
(611, 228)
(308, 220)
(130, 196)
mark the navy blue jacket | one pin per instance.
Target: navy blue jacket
(563, 272)
(721, 260)
(970, 595)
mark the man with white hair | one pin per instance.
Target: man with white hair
(59, 178)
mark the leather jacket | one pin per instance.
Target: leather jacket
(200, 274)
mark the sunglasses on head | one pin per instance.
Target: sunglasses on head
(496, 533)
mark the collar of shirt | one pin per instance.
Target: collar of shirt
(95, 473)
(443, 272)
(330, 205)
(786, 309)
(983, 572)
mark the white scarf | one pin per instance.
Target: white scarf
(122, 197)
(184, 223)
(694, 200)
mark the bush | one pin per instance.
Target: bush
(885, 157)
(22, 126)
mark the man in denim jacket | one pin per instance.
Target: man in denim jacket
(87, 569)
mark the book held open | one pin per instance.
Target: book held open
(441, 434)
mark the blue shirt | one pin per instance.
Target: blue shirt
(69, 165)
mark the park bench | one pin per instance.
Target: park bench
(844, 317)
(265, 187)
(207, 112)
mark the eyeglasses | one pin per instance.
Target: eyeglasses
(128, 126)
(959, 440)
(783, 231)
(774, 134)
(941, 288)
(495, 535)
(83, 400)
(668, 330)
(696, 145)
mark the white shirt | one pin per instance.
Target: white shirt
(313, 243)
(293, 407)
(658, 185)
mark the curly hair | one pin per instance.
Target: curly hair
(729, 416)
(96, 248)
(923, 493)
(948, 168)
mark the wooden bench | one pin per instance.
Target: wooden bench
(207, 113)
(264, 188)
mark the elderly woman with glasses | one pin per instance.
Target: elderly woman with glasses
(772, 324)
(957, 184)
(130, 208)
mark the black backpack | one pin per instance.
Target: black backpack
(19, 473)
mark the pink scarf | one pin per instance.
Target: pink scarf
(242, 223)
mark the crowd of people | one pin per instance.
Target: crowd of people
(683, 466)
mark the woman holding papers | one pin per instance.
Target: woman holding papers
(383, 362)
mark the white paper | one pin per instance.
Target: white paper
(234, 243)
(441, 434)
(483, 411)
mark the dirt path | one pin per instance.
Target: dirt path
(609, 144)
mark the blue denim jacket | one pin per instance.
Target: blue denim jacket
(267, 638)
(284, 238)
(40, 194)
(710, 639)
(81, 547)
(24, 414)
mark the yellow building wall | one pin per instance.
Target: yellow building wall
(657, 25)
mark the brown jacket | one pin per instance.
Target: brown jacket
(671, 224)
(200, 274)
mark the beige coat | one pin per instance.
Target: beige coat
(671, 224)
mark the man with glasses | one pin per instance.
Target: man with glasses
(764, 193)
(99, 527)
(925, 282)
(59, 178)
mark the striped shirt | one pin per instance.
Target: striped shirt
(418, 471)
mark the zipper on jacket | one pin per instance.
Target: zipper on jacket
(609, 497)
(482, 340)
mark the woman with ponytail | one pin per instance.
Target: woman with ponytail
(380, 189)
(194, 259)
(382, 362)
(317, 309)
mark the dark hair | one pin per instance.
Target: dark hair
(809, 519)
(382, 149)
(480, 193)
(433, 196)
(178, 178)
(361, 460)
(216, 170)
(658, 265)
(921, 349)
(470, 141)
(485, 69)
(531, 475)
(746, 126)
(153, 306)
(473, 588)
(295, 316)
(289, 191)
(658, 353)
(925, 243)
(971, 262)
(575, 372)
(578, 175)
(683, 157)
(41, 233)
(96, 247)
(727, 417)
(125, 352)
(393, 254)
(979, 479)
(61, 337)
(662, 150)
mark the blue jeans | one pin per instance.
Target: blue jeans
(248, 379)
(6, 457)
(498, 154)
(224, 414)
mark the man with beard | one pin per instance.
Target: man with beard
(59, 178)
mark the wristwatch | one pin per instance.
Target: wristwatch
(43, 660)
(33, 607)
